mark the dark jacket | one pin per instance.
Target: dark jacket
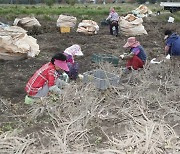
(173, 42)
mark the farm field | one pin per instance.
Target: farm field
(140, 115)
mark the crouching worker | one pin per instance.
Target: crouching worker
(70, 53)
(46, 79)
(137, 56)
(172, 41)
(113, 18)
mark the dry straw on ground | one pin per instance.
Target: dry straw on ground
(138, 116)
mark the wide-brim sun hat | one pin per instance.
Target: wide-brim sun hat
(131, 42)
(74, 50)
(61, 64)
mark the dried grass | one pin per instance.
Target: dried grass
(86, 120)
(10, 143)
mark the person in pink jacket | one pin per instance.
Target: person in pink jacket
(70, 53)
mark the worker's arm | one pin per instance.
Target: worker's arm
(127, 57)
(108, 18)
(166, 49)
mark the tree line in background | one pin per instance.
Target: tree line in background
(51, 2)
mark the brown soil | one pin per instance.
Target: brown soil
(15, 74)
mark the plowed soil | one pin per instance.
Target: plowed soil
(15, 74)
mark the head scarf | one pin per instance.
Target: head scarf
(112, 9)
(74, 50)
(131, 42)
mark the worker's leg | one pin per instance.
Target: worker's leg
(135, 63)
(43, 92)
(129, 64)
(110, 28)
(117, 28)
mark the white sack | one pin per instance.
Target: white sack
(14, 39)
(66, 21)
(88, 27)
(131, 28)
(142, 11)
(27, 22)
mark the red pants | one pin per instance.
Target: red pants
(135, 62)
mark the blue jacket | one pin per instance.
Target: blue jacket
(173, 42)
(140, 52)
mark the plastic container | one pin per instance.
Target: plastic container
(65, 29)
(101, 78)
(97, 58)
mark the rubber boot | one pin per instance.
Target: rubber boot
(29, 100)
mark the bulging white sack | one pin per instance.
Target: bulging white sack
(26, 22)
(14, 40)
(142, 11)
(66, 21)
(88, 27)
(132, 27)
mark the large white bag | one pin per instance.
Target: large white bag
(66, 21)
(142, 11)
(14, 41)
(88, 27)
(131, 28)
(26, 22)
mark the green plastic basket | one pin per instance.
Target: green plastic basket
(97, 58)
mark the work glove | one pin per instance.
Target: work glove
(122, 56)
(80, 76)
(65, 77)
